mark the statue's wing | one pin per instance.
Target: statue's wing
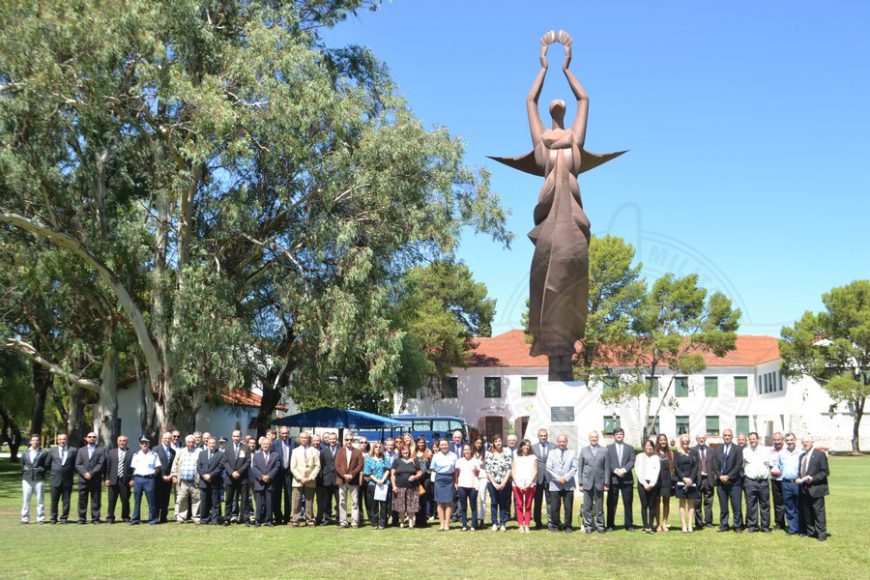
(528, 164)
(593, 160)
(525, 163)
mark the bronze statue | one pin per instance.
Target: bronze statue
(559, 284)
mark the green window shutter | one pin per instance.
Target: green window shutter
(656, 425)
(682, 424)
(492, 387)
(741, 386)
(610, 424)
(711, 386)
(451, 388)
(681, 386)
(529, 386)
(742, 423)
(712, 424)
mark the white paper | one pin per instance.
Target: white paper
(381, 491)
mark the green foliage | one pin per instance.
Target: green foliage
(833, 347)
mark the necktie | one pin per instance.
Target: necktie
(209, 457)
(703, 460)
(804, 464)
(121, 463)
(544, 451)
(62, 455)
(725, 460)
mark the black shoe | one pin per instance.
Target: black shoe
(226, 522)
(269, 525)
(600, 531)
(822, 537)
(738, 530)
(96, 522)
(630, 529)
(134, 523)
(552, 529)
(569, 529)
(724, 529)
(539, 526)
(765, 530)
(611, 528)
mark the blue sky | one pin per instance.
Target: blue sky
(747, 125)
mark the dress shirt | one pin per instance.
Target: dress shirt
(524, 466)
(443, 463)
(773, 462)
(647, 468)
(145, 463)
(33, 454)
(790, 463)
(755, 462)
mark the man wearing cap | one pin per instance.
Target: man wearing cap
(119, 479)
(146, 467)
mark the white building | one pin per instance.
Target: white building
(505, 390)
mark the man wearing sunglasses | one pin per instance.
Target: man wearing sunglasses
(90, 465)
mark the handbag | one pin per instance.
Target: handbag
(422, 489)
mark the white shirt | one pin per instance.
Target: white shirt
(647, 468)
(145, 463)
(524, 466)
(756, 462)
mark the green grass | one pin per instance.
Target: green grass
(237, 552)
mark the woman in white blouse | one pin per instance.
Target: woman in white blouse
(647, 466)
(524, 473)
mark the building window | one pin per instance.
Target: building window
(652, 386)
(611, 422)
(682, 424)
(493, 426)
(450, 388)
(492, 387)
(711, 386)
(681, 386)
(656, 425)
(741, 388)
(529, 386)
(741, 423)
(712, 424)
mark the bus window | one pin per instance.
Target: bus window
(422, 426)
(442, 426)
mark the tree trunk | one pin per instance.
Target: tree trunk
(11, 433)
(856, 428)
(42, 380)
(107, 407)
(75, 420)
(272, 390)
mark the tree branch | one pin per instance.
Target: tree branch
(30, 352)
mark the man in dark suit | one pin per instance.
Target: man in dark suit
(209, 466)
(236, 465)
(60, 465)
(265, 467)
(813, 482)
(283, 447)
(327, 492)
(163, 482)
(621, 458)
(703, 457)
(594, 469)
(726, 466)
(541, 449)
(33, 480)
(119, 479)
(90, 465)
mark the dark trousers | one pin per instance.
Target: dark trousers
(234, 495)
(467, 494)
(377, 509)
(119, 490)
(62, 493)
(730, 493)
(626, 490)
(704, 517)
(162, 491)
(778, 507)
(556, 500)
(209, 503)
(648, 500)
(757, 504)
(327, 496)
(593, 509)
(265, 499)
(282, 509)
(248, 502)
(791, 500)
(813, 509)
(500, 503)
(540, 490)
(147, 486)
(90, 489)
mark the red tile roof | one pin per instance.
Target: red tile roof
(511, 350)
(245, 398)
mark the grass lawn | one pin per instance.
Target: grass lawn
(175, 551)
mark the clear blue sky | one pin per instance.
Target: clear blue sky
(747, 124)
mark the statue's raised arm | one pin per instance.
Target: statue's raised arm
(578, 128)
(535, 125)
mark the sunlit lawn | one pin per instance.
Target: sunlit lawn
(175, 551)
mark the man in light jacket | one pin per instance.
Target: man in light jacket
(561, 471)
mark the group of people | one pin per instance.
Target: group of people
(406, 482)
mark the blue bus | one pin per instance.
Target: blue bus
(430, 427)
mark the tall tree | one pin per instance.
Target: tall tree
(833, 347)
(229, 180)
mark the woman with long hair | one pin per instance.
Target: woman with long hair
(647, 467)
(376, 471)
(467, 470)
(524, 473)
(424, 457)
(443, 466)
(479, 452)
(666, 481)
(498, 471)
(688, 471)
